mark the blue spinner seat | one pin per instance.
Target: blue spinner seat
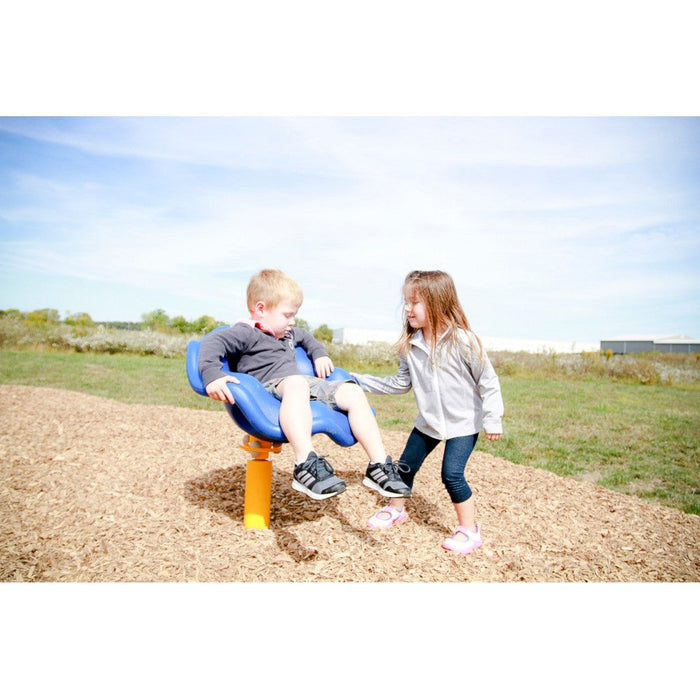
(256, 411)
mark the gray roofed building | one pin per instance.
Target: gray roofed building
(674, 343)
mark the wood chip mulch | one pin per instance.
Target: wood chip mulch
(96, 490)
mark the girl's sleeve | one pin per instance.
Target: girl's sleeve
(488, 386)
(400, 383)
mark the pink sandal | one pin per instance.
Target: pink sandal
(464, 546)
(395, 517)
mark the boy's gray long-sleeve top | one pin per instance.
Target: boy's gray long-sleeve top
(252, 351)
(458, 394)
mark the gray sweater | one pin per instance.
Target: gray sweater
(457, 394)
(252, 351)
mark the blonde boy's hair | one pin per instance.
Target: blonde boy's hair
(273, 287)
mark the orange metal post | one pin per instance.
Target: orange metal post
(258, 482)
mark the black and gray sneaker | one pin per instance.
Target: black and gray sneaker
(316, 479)
(385, 479)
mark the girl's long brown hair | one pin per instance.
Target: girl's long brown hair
(437, 291)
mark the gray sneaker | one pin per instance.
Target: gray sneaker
(316, 479)
(385, 479)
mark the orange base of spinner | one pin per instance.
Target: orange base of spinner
(258, 482)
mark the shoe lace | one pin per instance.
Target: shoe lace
(320, 468)
(390, 469)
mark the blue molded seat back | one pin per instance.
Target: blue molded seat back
(256, 411)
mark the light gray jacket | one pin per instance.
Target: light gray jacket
(457, 394)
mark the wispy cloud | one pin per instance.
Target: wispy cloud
(535, 218)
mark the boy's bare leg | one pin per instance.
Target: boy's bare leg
(295, 415)
(352, 399)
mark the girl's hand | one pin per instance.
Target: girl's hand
(323, 366)
(492, 436)
(219, 391)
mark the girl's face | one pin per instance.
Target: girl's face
(416, 313)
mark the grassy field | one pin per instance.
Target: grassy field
(637, 438)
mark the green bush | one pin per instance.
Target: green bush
(647, 369)
(164, 337)
(28, 333)
(373, 358)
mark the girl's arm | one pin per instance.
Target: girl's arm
(487, 384)
(491, 400)
(400, 383)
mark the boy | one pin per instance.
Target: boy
(263, 346)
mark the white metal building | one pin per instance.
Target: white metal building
(674, 343)
(362, 336)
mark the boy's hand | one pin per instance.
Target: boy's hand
(218, 390)
(323, 367)
(492, 436)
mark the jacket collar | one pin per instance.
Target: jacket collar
(260, 326)
(419, 339)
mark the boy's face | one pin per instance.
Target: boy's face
(279, 319)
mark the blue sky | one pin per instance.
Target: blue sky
(555, 228)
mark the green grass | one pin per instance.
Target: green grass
(634, 438)
(128, 378)
(637, 439)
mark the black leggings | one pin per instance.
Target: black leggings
(454, 461)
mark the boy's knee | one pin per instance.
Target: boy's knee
(353, 389)
(294, 384)
(350, 394)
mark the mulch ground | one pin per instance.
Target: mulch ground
(96, 490)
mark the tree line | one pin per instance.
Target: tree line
(155, 320)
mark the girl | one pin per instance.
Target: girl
(457, 392)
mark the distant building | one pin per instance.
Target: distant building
(537, 346)
(362, 336)
(676, 343)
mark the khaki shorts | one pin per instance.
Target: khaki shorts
(319, 389)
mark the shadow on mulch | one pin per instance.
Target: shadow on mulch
(222, 491)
